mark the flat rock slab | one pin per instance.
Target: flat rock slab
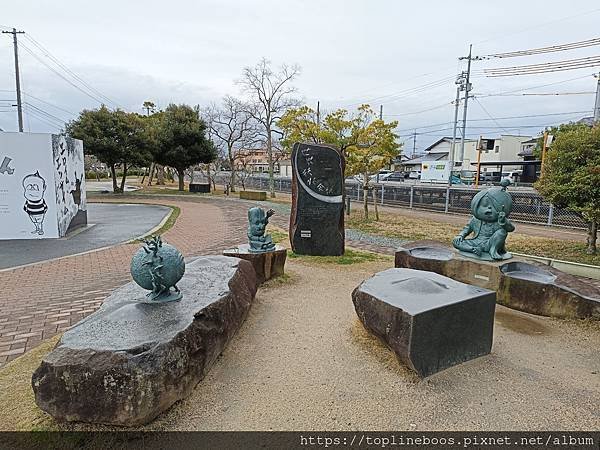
(430, 321)
(267, 265)
(520, 284)
(130, 361)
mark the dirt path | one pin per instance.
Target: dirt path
(303, 361)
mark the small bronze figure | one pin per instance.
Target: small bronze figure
(490, 225)
(257, 224)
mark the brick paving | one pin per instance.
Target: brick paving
(44, 299)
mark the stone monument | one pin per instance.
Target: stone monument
(430, 321)
(489, 225)
(317, 217)
(267, 258)
(133, 358)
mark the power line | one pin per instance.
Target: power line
(550, 49)
(486, 111)
(61, 75)
(54, 59)
(541, 25)
(533, 69)
(50, 104)
(47, 114)
(529, 116)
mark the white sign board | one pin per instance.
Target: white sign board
(435, 171)
(42, 185)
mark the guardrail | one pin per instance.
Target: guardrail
(528, 207)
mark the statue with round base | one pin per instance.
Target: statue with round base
(267, 258)
(158, 267)
(489, 225)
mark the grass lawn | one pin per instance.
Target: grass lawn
(411, 228)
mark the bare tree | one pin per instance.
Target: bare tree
(244, 171)
(271, 96)
(233, 128)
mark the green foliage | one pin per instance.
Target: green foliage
(571, 175)
(114, 137)
(181, 139)
(367, 142)
(554, 131)
(373, 144)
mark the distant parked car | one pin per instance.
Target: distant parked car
(415, 175)
(392, 177)
(491, 177)
(513, 176)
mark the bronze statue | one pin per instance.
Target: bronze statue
(257, 224)
(158, 267)
(490, 225)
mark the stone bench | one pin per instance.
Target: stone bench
(253, 195)
(130, 360)
(430, 321)
(520, 284)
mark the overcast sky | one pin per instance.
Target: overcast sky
(350, 52)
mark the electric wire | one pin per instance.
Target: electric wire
(60, 64)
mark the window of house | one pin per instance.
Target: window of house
(497, 149)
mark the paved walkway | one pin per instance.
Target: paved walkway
(108, 225)
(44, 299)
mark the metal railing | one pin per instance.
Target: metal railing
(528, 207)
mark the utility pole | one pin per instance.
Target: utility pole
(414, 143)
(467, 90)
(14, 32)
(459, 84)
(597, 104)
(380, 112)
(319, 113)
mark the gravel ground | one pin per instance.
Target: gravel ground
(303, 361)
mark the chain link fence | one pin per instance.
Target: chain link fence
(528, 206)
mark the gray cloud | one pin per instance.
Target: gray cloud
(350, 51)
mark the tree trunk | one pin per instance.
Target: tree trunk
(160, 175)
(375, 203)
(124, 177)
(592, 237)
(366, 200)
(151, 174)
(180, 175)
(232, 181)
(113, 174)
(270, 159)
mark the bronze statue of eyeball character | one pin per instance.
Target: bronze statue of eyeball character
(158, 267)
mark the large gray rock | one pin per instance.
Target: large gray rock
(130, 361)
(430, 321)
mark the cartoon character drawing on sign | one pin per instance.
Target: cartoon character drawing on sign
(35, 206)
